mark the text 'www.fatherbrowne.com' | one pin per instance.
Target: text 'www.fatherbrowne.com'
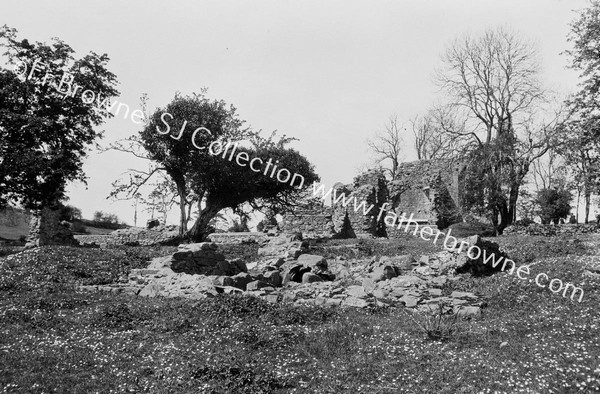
(474, 252)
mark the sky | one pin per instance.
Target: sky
(329, 73)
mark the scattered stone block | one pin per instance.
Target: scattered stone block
(383, 272)
(151, 290)
(313, 261)
(222, 280)
(435, 292)
(309, 277)
(369, 285)
(464, 311)
(272, 277)
(241, 280)
(355, 302)
(356, 291)
(257, 285)
(461, 294)
(378, 293)
(410, 301)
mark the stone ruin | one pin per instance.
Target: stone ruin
(427, 189)
(46, 229)
(286, 272)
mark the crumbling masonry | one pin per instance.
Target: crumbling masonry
(427, 189)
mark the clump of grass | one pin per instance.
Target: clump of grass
(438, 325)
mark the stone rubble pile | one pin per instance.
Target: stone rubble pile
(288, 273)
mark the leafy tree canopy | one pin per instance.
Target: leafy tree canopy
(44, 135)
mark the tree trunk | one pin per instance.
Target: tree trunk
(189, 214)
(512, 203)
(505, 217)
(495, 220)
(182, 214)
(577, 211)
(587, 204)
(198, 231)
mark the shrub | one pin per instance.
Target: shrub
(69, 213)
(554, 204)
(78, 227)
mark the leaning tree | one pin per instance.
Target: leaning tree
(175, 140)
(44, 133)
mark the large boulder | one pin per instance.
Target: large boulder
(481, 257)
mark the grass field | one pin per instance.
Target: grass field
(54, 339)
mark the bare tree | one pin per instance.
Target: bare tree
(162, 198)
(387, 146)
(493, 80)
(549, 171)
(438, 133)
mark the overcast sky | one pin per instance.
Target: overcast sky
(329, 73)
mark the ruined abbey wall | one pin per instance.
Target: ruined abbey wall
(369, 187)
(427, 189)
(313, 220)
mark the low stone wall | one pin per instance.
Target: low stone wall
(237, 238)
(134, 236)
(548, 230)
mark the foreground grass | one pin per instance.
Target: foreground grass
(54, 339)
